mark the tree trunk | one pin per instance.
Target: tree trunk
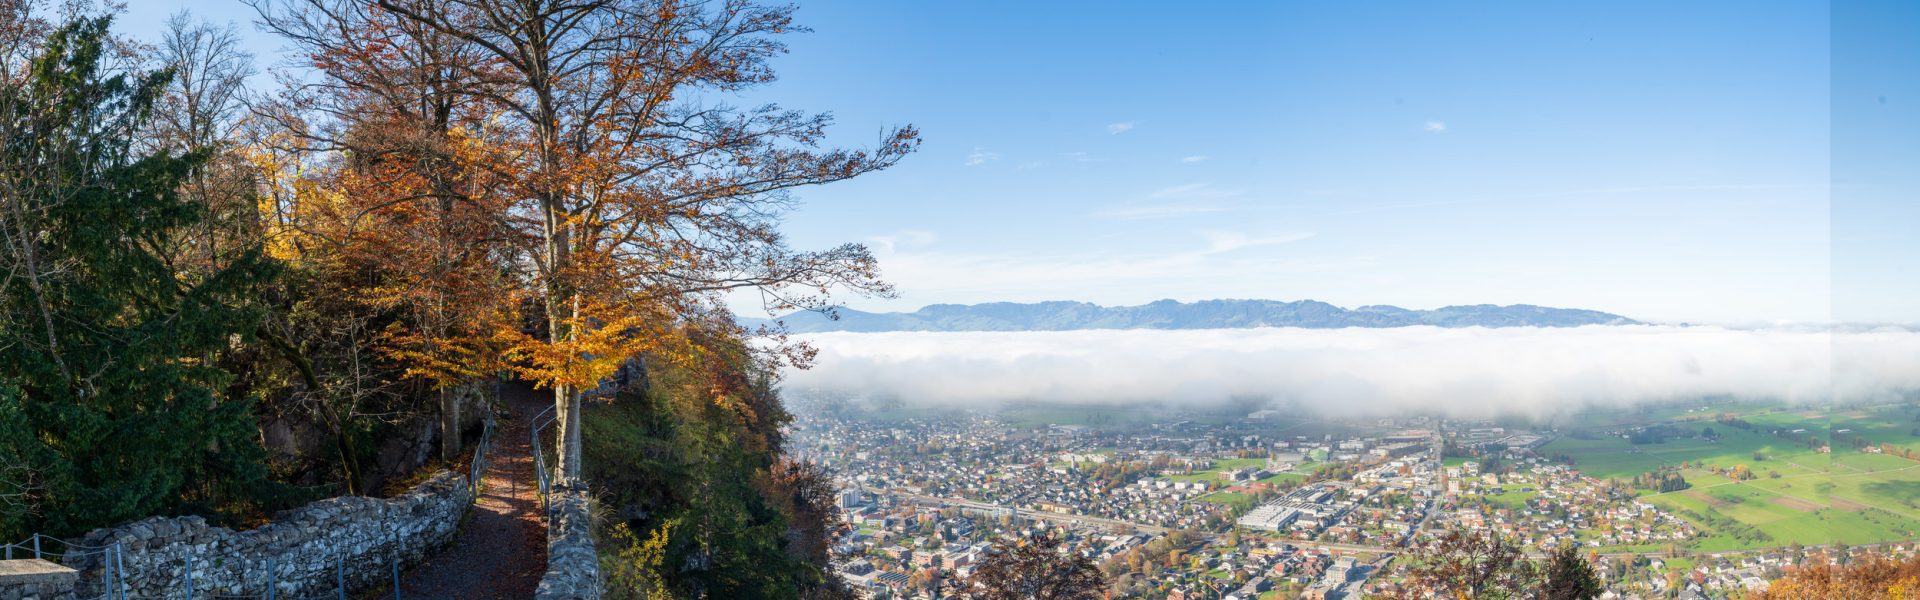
(450, 423)
(349, 460)
(567, 436)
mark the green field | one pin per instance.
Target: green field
(1511, 497)
(1279, 477)
(1212, 475)
(1880, 425)
(1240, 502)
(1609, 457)
(1799, 494)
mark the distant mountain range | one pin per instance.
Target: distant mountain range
(1169, 314)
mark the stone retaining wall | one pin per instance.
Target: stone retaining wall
(35, 579)
(310, 549)
(573, 568)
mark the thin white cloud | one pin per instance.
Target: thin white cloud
(1194, 191)
(1121, 127)
(1359, 371)
(981, 157)
(903, 239)
(1175, 201)
(1435, 127)
(1195, 158)
(1229, 241)
(1157, 211)
(932, 273)
(1081, 157)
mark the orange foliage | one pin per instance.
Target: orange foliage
(1868, 578)
(501, 154)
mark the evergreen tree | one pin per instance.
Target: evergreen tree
(1570, 577)
(114, 398)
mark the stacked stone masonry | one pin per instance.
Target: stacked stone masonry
(305, 553)
(573, 569)
(35, 579)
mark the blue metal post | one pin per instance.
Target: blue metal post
(36, 545)
(189, 577)
(394, 555)
(120, 569)
(343, 576)
(270, 578)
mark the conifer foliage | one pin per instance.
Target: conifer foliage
(113, 395)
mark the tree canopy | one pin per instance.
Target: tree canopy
(116, 385)
(223, 300)
(1035, 568)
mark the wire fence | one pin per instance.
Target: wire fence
(58, 551)
(110, 579)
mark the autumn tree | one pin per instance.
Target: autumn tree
(639, 200)
(1036, 568)
(204, 106)
(406, 201)
(807, 492)
(1467, 564)
(1867, 578)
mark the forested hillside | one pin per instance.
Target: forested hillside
(1170, 314)
(226, 298)
(698, 499)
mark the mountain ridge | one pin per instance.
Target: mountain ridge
(1066, 315)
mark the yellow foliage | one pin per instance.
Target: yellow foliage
(599, 339)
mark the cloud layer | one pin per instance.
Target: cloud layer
(1466, 372)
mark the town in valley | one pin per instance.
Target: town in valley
(1691, 500)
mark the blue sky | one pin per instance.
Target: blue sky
(1666, 161)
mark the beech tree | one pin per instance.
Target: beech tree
(412, 203)
(204, 106)
(636, 202)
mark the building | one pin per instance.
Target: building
(891, 579)
(1268, 517)
(1409, 436)
(859, 567)
(1342, 569)
(1251, 590)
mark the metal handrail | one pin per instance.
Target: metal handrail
(112, 568)
(541, 479)
(478, 466)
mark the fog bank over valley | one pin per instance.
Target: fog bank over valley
(1358, 371)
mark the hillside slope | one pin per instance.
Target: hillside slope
(1169, 314)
